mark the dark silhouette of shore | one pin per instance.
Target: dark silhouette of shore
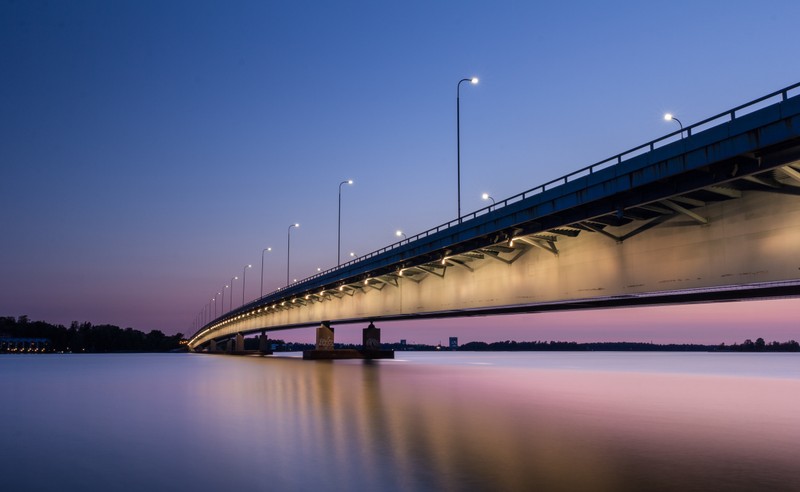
(88, 338)
(81, 338)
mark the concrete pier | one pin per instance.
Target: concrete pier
(263, 344)
(371, 344)
(324, 350)
(239, 343)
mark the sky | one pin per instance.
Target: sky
(149, 150)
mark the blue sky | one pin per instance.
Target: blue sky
(150, 150)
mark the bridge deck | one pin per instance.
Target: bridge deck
(720, 158)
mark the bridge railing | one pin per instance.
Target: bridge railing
(725, 116)
(720, 118)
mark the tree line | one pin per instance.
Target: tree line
(85, 337)
(748, 346)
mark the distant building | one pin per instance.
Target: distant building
(403, 342)
(453, 343)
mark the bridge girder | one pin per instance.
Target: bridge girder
(773, 169)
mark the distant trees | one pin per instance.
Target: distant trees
(514, 346)
(85, 337)
(761, 346)
(748, 346)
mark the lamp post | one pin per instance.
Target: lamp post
(244, 279)
(288, 249)
(339, 236)
(231, 296)
(670, 117)
(215, 303)
(473, 81)
(214, 300)
(262, 270)
(400, 233)
(486, 196)
(222, 301)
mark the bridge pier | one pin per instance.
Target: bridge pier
(238, 343)
(371, 338)
(212, 346)
(371, 344)
(229, 346)
(263, 344)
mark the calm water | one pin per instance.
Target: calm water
(426, 421)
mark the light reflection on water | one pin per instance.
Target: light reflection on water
(426, 421)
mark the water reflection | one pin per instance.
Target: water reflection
(464, 422)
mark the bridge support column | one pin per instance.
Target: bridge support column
(371, 344)
(229, 346)
(212, 346)
(263, 344)
(325, 336)
(239, 343)
(371, 338)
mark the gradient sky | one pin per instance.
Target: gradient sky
(151, 149)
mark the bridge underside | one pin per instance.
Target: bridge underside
(734, 241)
(716, 218)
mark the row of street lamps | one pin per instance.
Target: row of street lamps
(206, 311)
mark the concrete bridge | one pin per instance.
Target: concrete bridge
(707, 213)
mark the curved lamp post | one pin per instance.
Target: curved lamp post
(288, 249)
(244, 279)
(222, 304)
(486, 196)
(231, 296)
(670, 117)
(400, 233)
(473, 81)
(262, 270)
(339, 236)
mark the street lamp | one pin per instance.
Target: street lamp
(214, 300)
(670, 117)
(262, 270)
(215, 304)
(222, 303)
(486, 196)
(244, 279)
(400, 233)
(288, 249)
(339, 236)
(473, 81)
(231, 296)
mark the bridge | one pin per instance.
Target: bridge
(707, 213)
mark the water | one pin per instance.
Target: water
(424, 422)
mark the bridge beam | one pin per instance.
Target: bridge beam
(791, 172)
(685, 211)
